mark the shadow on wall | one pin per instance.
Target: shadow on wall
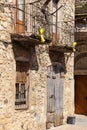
(5, 44)
(81, 61)
(26, 55)
(29, 55)
(57, 57)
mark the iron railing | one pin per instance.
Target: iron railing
(34, 19)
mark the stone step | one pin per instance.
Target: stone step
(81, 120)
(77, 120)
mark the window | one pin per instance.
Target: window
(20, 16)
(55, 16)
(22, 85)
(55, 20)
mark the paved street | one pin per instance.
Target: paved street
(69, 127)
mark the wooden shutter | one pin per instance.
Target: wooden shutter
(20, 16)
(55, 95)
(58, 100)
(21, 71)
(22, 85)
(81, 94)
(51, 96)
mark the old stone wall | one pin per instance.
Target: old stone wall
(7, 85)
(66, 22)
(34, 117)
(69, 86)
(7, 75)
(6, 19)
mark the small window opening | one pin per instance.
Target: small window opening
(22, 85)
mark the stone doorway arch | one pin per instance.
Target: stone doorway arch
(80, 69)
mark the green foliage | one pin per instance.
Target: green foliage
(84, 6)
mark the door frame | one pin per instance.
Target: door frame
(76, 109)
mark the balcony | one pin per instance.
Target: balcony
(28, 24)
(81, 9)
(81, 37)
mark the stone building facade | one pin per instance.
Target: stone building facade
(39, 58)
(81, 57)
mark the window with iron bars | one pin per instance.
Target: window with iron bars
(22, 85)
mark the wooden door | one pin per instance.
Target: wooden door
(55, 95)
(20, 16)
(81, 94)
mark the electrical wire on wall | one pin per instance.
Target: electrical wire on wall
(28, 4)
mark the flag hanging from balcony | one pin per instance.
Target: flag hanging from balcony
(42, 35)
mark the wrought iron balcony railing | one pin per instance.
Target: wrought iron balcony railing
(30, 20)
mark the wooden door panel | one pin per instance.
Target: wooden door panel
(21, 71)
(58, 101)
(50, 103)
(54, 96)
(20, 27)
(50, 92)
(81, 94)
(50, 98)
(58, 117)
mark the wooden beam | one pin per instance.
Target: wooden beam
(80, 72)
(60, 48)
(28, 40)
(81, 36)
(80, 11)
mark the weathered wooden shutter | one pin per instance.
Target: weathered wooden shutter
(55, 96)
(58, 101)
(22, 84)
(20, 16)
(51, 96)
(21, 72)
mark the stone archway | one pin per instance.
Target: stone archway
(81, 61)
(80, 69)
